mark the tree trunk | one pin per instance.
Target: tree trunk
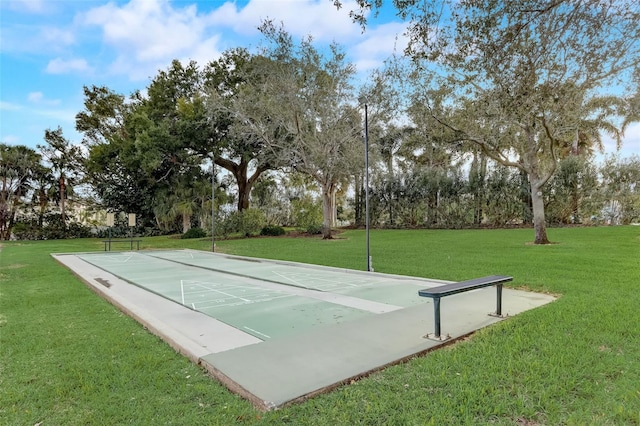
(575, 203)
(525, 197)
(536, 182)
(63, 216)
(539, 222)
(43, 207)
(479, 195)
(186, 222)
(327, 210)
(334, 210)
(244, 190)
(240, 171)
(4, 221)
(4, 213)
(391, 208)
(357, 200)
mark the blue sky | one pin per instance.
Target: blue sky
(50, 49)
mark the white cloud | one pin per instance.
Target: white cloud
(34, 38)
(35, 97)
(56, 36)
(60, 115)
(147, 34)
(8, 106)
(379, 44)
(206, 51)
(323, 22)
(10, 140)
(318, 18)
(38, 98)
(386, 38)
(630, 142)
(61, 66)
(29, 6)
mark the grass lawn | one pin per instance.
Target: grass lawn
(67, 357)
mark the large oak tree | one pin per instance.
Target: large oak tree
(18, 164)
(299, 105)
(528, 77)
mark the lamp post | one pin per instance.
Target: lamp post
(213, 202)
(366, 182)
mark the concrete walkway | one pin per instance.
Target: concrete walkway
(277, 332)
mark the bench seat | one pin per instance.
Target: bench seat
(436, 293)
(107, 243)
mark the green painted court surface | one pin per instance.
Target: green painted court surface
(384, 289)
(254, 296)
(274, 331)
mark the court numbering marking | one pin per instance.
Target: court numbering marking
(228, 298)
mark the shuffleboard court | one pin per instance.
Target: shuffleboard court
(244, 303)
(395, 290)
(276, 332)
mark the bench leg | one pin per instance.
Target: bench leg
(498, 312)
(436, 313)
(437, 336)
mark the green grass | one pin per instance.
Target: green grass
(68, 357)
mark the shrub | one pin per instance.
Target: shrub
(77, 230)
(315, 229)
(27, 231)
(226, 224)
(306, 212)
(272, 230)
(247, 222)
(52, 229)
(251, 222)
(194, 233)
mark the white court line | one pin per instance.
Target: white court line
(209, 287)
(203, 305)
(324, 282)
(171, 255)
(256, 331)
(113, 259)
(226, 294)
(338, 281)
(191, 291)
(182, 290)
(259, 295)
(292, 280)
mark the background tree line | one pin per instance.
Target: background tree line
(493, 117)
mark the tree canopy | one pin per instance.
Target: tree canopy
(492, 118)
(523, 80)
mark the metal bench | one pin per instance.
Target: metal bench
(107, 243)
(436, 293)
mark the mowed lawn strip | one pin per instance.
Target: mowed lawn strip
(68, 357)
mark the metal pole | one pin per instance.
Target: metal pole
(366, 174)
(213, 202)
(436, 316)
